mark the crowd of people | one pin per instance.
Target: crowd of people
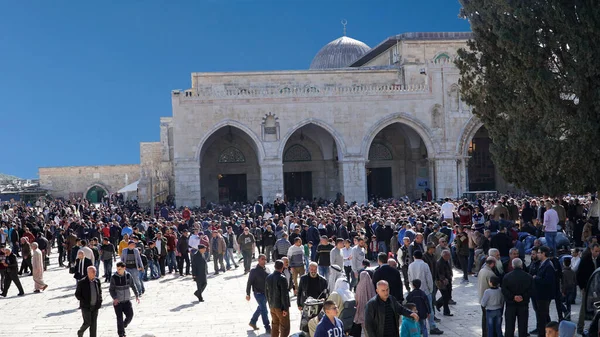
(353, 269)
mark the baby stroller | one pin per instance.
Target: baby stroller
(311, 308)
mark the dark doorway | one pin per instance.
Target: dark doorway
(297, 185)
(481, 170)
(232, 188)
(95, 194)
(379, 182)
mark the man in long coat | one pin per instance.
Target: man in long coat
(37, 268)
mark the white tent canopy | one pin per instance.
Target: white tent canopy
(130, 188)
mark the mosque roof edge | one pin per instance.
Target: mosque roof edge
(414, 36)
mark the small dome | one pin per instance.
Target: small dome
(339, 53)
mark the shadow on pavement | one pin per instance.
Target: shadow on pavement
(183, 306)
(61, 313)
(232, 277)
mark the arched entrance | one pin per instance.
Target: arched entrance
(310, 164)
(95, 194)
(397, 164)
(481, 171)
(229, 167)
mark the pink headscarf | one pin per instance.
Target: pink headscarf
(364, 292)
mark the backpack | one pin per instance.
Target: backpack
(144, 260)
(347, 316)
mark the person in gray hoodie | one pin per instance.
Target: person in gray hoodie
(120, 283)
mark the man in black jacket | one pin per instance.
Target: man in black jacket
(379, 308)
(589, 263)
(11, 266)
(199, 270)
(390, 275)
(311, 285)
(183, 248)
(268, 239)
(278, 296)
(256, 282)
(517, 287)
(89, 294)
(161, 246)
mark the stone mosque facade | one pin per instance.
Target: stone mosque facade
(386, 121)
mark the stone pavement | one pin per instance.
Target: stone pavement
(169, 308)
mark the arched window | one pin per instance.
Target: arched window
(442, 57)
(296, 152)
(232, 155)
(379, 151)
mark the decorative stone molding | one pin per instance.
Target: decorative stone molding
(270, 128)
(466, 135)
(274, 90)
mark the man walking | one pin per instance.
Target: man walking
(256, 282)
(278, 296)
(89, 294)
(517, 287)
(120, 284)
(37, 268)
(107, 255)
(161, 247)
(382, 313)
(247, 242)
(296, 257)
(133, 262)
(11, 265)
(545, 289)
(419, 270)
(199, 270)
(231, 242)
(217, 248)
(183, 250)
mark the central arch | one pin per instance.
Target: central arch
(397, 149)
(310, 162)
(229, 166)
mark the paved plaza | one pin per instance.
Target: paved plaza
(169, 308)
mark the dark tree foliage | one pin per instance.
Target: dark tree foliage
(532, 75)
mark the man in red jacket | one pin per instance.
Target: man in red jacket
(171, 247)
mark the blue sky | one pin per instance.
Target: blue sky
(83, 82)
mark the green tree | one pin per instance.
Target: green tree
(532, 75)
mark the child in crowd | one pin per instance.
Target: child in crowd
(493, 302)
(419, 298)
(410, 327)
(568, 286)
(373, 248)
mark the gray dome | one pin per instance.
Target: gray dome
(339, 53)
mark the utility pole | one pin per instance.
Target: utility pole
(152, 194)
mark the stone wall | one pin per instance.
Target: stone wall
(63, 181)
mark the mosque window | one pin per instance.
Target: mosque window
(442, 57)
(232, 155)
(379, 151)
(296, 152)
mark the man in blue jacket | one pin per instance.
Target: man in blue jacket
(545, 289)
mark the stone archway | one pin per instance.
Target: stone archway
(479, 172)
(397, 163)
(229, 166)
(310, 163)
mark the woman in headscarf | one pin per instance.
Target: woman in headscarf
(364, 292)
(342, 288)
